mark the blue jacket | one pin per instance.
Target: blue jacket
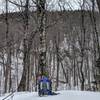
(44, 79)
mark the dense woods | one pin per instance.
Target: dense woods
(62, 44)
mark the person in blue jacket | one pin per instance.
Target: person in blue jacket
(44, 86)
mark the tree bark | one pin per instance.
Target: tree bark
(24, 83)
(58, 61)
(98, 3)
(41, 17)
(8, 51)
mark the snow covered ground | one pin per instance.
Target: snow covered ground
(64, 95)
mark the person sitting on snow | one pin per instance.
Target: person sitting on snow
(44, 85)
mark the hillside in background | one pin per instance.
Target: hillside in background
(57, 22)
(71, 43)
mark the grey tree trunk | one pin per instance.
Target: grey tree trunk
(83, 42)
(8, 51)
(58, 61)
(98, 3)
(41, 17)
(24, 83)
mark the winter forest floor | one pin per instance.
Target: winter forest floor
(64, 95)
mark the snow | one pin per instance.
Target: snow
(64, 95)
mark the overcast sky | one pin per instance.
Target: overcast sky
(52, 4)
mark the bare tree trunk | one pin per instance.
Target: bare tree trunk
(98, 3)
(95, 26)
(83, 41)
(8, 49)
(24, 83)
(58, 61)
(41, 16)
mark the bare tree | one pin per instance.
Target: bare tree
(8, 49)
(23, 86)
(41, 19)
(58, 61)
(98, 3)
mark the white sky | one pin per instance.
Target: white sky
(73, 3)
(52, 4)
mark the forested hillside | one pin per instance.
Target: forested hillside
(65, 42)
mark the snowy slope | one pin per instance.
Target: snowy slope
(64, 95)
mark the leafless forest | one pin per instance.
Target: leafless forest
(62, 43)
